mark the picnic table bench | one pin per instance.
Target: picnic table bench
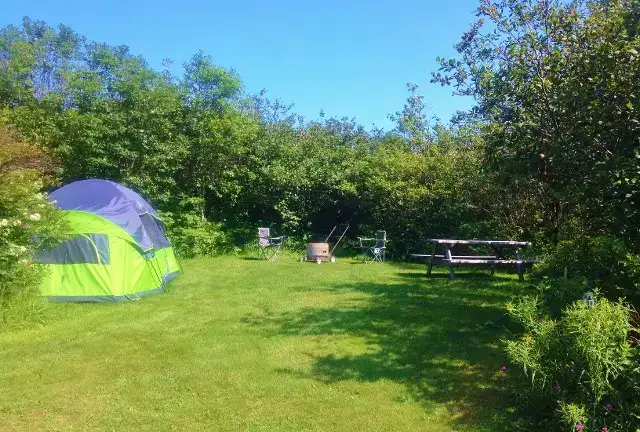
(497, 259)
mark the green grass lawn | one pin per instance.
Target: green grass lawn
(240, 344)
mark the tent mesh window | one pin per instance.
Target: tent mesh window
(80, 249)
(155, 231)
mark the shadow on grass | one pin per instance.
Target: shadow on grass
(439, 338)
(253, 258)
(471, 275)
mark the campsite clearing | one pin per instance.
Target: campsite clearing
(244, 344)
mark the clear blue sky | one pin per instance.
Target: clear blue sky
(348, 58)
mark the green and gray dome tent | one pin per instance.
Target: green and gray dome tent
(117, 249)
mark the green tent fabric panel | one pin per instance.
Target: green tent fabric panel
(82, 222)
(77, 280)
(131, 271)
(164, 265)
(165, 259)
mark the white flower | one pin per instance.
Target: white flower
(16, 222)
(35, 217)
(22, 249)
(4, 222)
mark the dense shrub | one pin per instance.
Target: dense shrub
(606, 263)
(558, 293)
(579, 367)
(594, 258)
(26, 220)
(191, 235)
(630, 278)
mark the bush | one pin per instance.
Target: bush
(594, 258)
(27, 219)
(630, 278)
(192, 236)
(604, 262)
(579, 367)
(557, 294)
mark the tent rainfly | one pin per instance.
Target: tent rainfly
(116, 248)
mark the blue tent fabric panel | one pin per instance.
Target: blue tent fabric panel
(110, 200)
(155, 231)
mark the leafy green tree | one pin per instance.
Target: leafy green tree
(209, 86)
(414, 122)
(556, 87)
(35, 58)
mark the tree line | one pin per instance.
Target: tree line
(549, 153)
(218, 162)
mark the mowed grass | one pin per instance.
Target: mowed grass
(241, 344)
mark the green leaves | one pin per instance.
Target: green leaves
(208, 85)
(579, 363)
(26, 217)
(558, 80)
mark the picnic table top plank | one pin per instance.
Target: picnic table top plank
(455, 256)
(480, 242)
(487, 261)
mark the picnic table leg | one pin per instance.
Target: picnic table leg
(448, 256)
(498, 253)
(520, 266)
(520, 272)
(433, 256)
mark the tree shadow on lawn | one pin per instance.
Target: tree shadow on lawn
(475, 276)
(439, 338)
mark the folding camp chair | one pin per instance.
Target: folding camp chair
(374, 249)
(269, 245)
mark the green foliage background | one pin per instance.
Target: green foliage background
(213, 159)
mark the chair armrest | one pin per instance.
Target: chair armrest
(364, 240)
(277, 240)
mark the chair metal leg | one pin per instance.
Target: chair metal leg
(274, 256)
(270, 253)
(377, 255)
(264, 253)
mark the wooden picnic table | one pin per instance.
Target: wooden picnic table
(497, 259)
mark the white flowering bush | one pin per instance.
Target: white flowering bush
(27, 219)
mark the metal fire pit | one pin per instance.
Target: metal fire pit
(319, 252)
